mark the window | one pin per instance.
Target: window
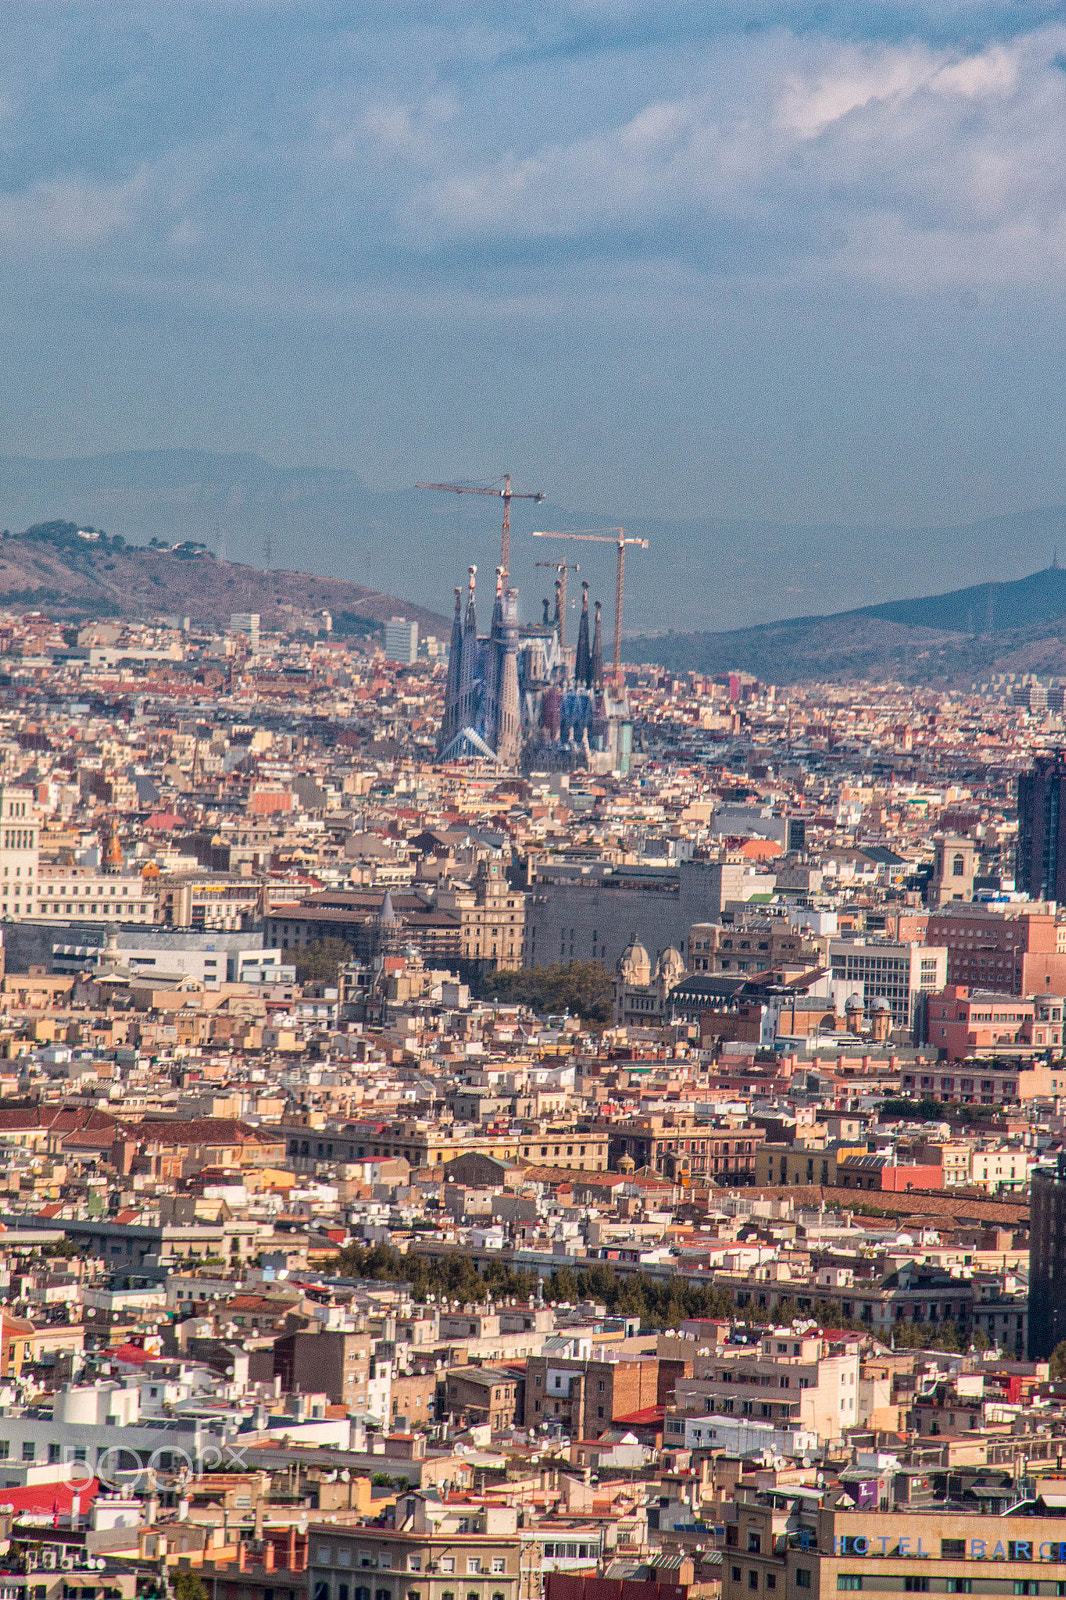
(1026, 1586)
(960, 1586)
(736, 1574)
(954, 1548)
(29, 1450)
(916, 1585)
(473, 1563)
(849, 1580)
(753, 1578)
(803, 1577)
(447, 1563)
(498, 1564)
(754, 1544)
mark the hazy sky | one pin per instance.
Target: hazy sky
(794, 261)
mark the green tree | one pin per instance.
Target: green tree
(187, 1586)
(581, 987)
(318, 963)
(1058, 1360)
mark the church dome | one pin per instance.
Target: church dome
(635, 964)
(671, 966)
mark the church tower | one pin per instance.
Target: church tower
(597, 652)
(583, 659)
(450, 724)
(468, 664)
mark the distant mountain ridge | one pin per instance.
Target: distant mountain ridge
(705, 573)
(1014, 625)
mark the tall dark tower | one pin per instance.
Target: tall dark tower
(583, 659)
(1041, 859)
(1047, 1259)
(597, 652)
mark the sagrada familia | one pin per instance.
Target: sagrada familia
(519, 698)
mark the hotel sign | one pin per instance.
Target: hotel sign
(878, 1544)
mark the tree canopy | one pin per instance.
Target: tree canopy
(318, 963)
(581, 987)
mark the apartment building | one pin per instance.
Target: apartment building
(904, 974)
(565, 1385)
(749, 946)
(1014, 949)
(64, 892)
(208, 900)
(789, 1379)
(475, 1556)
(678, 1144)
(426, 1144)
(492, 918)
(332, 1362)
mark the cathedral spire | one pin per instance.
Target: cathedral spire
(597, 652)
(450, 723)
(468, 666)
(583, 659)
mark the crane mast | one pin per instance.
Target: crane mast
(615, 536)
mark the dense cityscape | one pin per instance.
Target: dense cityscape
(442, 1079)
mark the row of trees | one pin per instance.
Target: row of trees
(657, 1304)
(929, 1110)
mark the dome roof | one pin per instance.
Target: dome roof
(634, 963)
(854, 1002)
(880, 1004)
(671, 964)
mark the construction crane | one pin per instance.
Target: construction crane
(562, 568)
(615, 536)
(506, 494)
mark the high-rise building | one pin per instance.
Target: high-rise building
(1047, 1259)
(19, 829)
(1041, 860)
(401, 641)
(246, 622)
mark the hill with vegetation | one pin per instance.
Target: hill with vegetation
(70, 570)
(965, 634)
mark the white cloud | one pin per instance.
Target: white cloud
(948, 165)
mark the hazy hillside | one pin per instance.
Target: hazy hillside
(51, 567)
(1017, 626)
(707, 574)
